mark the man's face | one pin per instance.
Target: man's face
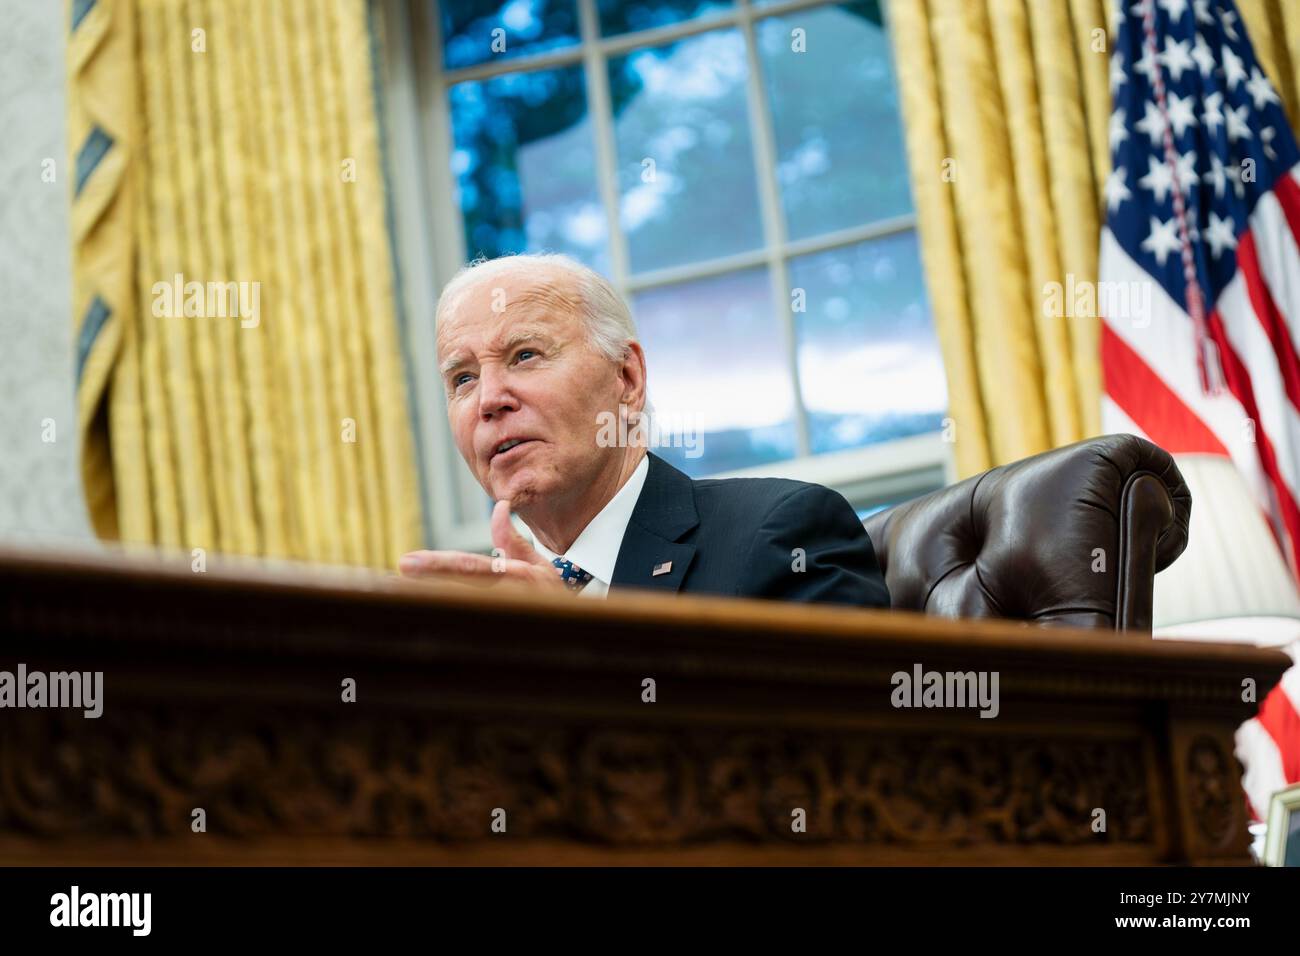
(517, 365)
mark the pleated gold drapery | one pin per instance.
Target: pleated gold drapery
(1005, 109)
(1006, 106)
(282, 427)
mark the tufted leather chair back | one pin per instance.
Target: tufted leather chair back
(1072, 536)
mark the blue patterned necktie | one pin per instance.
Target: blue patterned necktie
(574, 578)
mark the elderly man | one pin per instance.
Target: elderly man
(536, 352)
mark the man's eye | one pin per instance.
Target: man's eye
(524, 353)
(460, 379)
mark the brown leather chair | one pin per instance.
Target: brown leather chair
(1072, 536)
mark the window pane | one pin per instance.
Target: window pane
(625, 16)
(528, 26)
(686, 173)
(869, 363)
(525, 166)
(718, 373)
(839, 143)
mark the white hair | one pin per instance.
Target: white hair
(610, 329)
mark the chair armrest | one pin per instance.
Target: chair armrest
(1072, 536)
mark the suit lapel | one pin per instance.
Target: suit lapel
(664, 512)
(642, 552)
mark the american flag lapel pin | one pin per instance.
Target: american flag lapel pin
(661, 569)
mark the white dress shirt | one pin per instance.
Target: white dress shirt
(596, 549)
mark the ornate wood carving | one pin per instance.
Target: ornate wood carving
(140, 774)
(1215, 797)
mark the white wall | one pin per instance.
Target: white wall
(40, 492)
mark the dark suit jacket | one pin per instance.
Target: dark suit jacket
(737, 536)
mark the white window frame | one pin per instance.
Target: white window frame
(431, 247)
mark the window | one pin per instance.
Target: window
(737, 169)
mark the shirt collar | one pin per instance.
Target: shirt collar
(596, 549)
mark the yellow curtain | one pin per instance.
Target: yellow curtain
(1006, 105)
(1005, 109)
(241, 383)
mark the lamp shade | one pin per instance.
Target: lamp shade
(1232, 568)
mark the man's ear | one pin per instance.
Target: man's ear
(633, 374)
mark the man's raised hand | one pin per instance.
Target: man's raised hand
(513, 558)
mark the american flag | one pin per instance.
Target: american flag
(1203, 217)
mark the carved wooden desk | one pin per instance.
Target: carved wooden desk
(223, 691)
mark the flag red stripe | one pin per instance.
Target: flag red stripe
(1270, 318)
(1153, 406)
(1277, 714)
(1287, 191)
(1279, 718)
(1238, 381)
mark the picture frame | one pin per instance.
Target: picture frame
(1282, 842)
